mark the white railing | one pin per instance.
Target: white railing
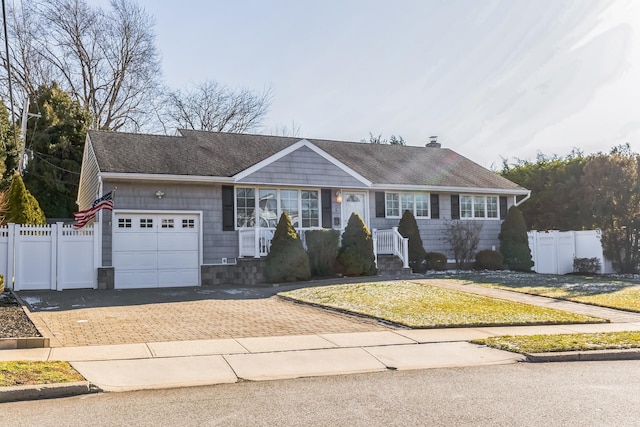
(255, 244)
(391, 242)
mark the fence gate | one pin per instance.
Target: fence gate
(553, 252)
(48, 257)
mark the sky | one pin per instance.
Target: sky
(493, 79)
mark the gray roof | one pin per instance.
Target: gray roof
(226, 154)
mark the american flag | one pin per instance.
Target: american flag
(82, 217)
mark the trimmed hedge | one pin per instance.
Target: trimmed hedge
(23, 207)
(489, 260)
(287, 260)
(586, 265)
(436, 261)
(322, 248)
(356, 257)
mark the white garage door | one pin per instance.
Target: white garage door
(156, 250)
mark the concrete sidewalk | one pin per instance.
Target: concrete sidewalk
(204, 362)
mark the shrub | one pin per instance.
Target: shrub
(436, 261)
(408, 227)
(463, 237)
(514, 243)
(356, 257)
(23, 207)
(586, 265)
(489, 260)
(287, 260)
(322, 248)
(1, 283)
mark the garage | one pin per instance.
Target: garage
(152, 249)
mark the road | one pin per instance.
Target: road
(554, 394)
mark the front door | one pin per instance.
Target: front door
(353, 201)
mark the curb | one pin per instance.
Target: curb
(584, 356)
(46, 391)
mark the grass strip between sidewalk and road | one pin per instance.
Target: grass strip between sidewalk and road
(564, 342)
(424, 306)
(33, 373)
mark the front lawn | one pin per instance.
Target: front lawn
(568, 342)
(33, 373)
(595, 290)
(424, 306)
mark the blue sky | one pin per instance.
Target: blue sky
(491, 78)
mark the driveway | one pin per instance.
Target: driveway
(92, 317)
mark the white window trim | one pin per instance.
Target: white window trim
(473, 217)
(278, 206)
(413, 193)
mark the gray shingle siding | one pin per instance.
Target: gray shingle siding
(303, 167)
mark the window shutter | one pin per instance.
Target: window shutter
(455, 206)
(503, 207)
(227, 208)
(380, 208)
(326, 207)
(435, 206)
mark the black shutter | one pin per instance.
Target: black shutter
(435, 206)
(380, 204)
(503, 207)
(455, 206)
(227, 208)
(326, 207)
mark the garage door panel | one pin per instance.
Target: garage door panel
(177, 240)
(182, 259)
(140, 260)
(178, 277)
(137, 241)
(129, 279)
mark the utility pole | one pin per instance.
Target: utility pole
(6, 48)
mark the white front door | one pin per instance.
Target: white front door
(354, 201)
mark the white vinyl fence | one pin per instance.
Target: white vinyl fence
(553, 252)
(49, 257)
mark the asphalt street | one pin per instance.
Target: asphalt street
(553, 394)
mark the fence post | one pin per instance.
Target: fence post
(57, 230)
(97, 249)
(394, 240)
(405, 252)
(54, 258)
(374, 237)
(9, 280)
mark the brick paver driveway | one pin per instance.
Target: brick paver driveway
(91, 317)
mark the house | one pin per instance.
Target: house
(201, 207)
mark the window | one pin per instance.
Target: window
(124, 222)
(393, 204)
(479, 207)
(310, 209)
(268, 203)
(146, 222)
(416, 203)
(245, 207)
(188, 223)
(167, 223)
(289, 204)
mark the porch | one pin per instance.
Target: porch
(256, 243)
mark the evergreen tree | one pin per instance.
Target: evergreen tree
(408, 227)
(23, 207)
(57, 142)
(287, 260)
(514, 243)
(8, 149)
(356, 254)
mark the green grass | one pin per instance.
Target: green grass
(569, 342)
(423, 306)
(595, 290)
(33, 373)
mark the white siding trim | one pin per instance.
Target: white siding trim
(436, 189)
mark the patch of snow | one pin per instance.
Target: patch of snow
(31, 300)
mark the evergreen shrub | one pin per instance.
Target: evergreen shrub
(287, 260)
(436, 261)
(23, 207)
(322, 248)
(408, 227)
(514, 243)
(355, 257)
(489, 260)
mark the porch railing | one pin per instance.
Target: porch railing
(257, 243)
(391, 242)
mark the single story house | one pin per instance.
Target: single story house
(201, 207)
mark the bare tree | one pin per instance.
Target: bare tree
(284, 130)
(213, 107)
(106, 60)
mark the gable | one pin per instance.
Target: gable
(305, 167)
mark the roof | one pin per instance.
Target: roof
(217, 154)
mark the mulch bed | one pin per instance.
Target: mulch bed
(14, 323)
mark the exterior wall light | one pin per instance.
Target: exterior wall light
(338, 197)
(159, 194)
